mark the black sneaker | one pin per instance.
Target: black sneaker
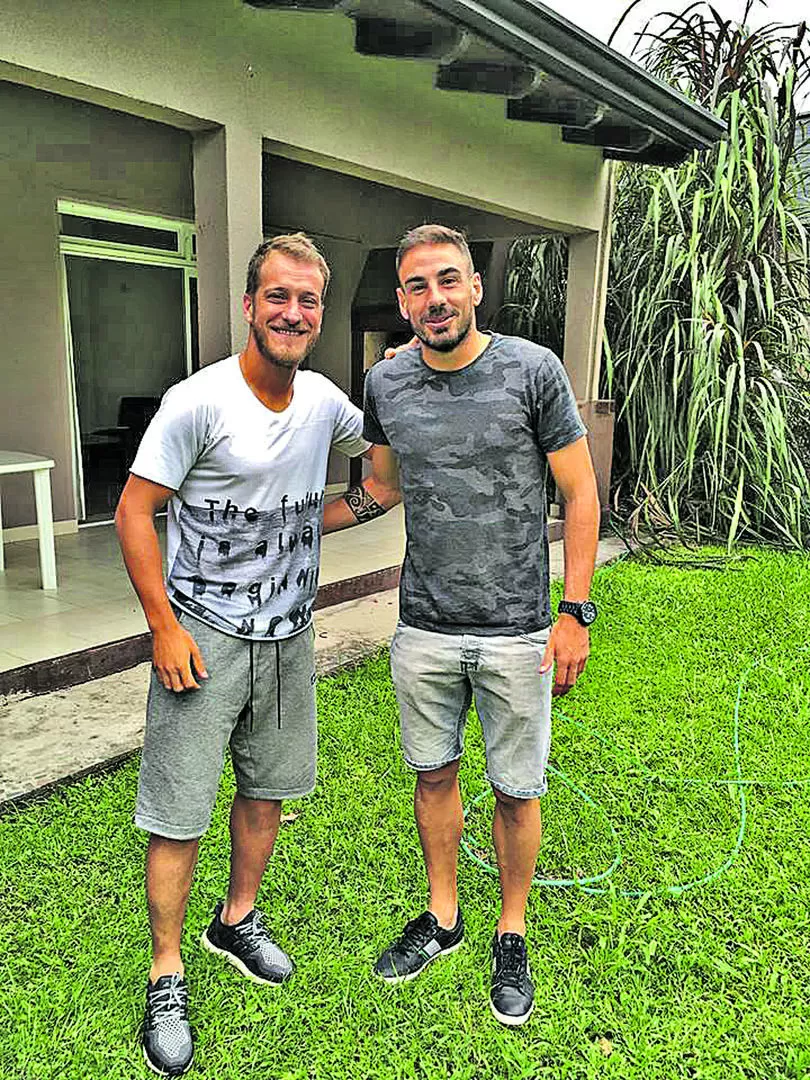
(167, 1045)
(248, 946)
(512, 995)
(421, 941)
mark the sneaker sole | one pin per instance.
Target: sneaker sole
(510, 1021)
(395, 980)
(238, 964)
(164, 1072)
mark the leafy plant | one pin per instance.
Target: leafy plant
(534, 290)
(708, 324)
(708, 313)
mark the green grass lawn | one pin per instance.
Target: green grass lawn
(713, 984)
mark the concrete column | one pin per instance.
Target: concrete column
(585, 313)
(333, 353)
(228, 212)
(588, 265)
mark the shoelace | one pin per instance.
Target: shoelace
(169, 1003)
(511, 967)
(255, 934)
(415, 934)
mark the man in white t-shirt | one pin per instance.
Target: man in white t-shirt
(239, 453)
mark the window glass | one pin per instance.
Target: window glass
(117, 232)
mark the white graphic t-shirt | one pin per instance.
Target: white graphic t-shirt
(244, 527)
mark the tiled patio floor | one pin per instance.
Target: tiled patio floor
(95, 602)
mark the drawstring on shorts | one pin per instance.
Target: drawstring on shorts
(278, 685)
(253, 679)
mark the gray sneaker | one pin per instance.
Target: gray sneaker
(248, 946)
(168, 1048)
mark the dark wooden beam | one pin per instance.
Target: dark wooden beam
(659, 153)
(295, 5)
(614, 135)
(547, 108)
(486, 77)
(391, 38)
(60, 672)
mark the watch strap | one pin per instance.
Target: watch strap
(584, 611)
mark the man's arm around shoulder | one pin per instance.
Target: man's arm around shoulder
(569, 641)
(377, 493)
(174, 650)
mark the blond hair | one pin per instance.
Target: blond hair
(295, 246)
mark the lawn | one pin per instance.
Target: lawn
(712, 983)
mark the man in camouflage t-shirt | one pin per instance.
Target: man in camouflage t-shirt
(472, 419)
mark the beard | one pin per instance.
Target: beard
(280, 359)
(441, 343)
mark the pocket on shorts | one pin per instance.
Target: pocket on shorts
(538, 642)
(396, 639)
(393, 648)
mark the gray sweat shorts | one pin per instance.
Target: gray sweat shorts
(436, 678)
(259, 699)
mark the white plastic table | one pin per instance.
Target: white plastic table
(14, 461)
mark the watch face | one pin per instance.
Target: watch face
(588, 612)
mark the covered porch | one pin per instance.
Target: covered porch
(93, 624)
(165, 148)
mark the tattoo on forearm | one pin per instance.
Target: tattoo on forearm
(362, 505)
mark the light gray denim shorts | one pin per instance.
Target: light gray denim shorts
(259, 699)
(437, 676)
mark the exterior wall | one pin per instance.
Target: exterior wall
(241, 79)
(349, 218)
(51, 147)
(295, 78)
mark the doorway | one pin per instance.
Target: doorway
(129, 287)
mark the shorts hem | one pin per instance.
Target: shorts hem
(519, 793)
(167, 831)
(268, 795)
(432, 766)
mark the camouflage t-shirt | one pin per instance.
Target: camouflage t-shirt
(471, 446)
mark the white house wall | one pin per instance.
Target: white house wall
(295, 79)
(52, 147)
(242, 80)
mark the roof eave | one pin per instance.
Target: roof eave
(545, 68)
(579, 59)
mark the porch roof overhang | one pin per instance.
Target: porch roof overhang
(547, 69)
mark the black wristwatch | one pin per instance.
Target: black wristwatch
(585, 612)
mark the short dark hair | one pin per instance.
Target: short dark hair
(434, 234)
(296, 246)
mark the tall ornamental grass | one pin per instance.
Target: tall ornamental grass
(708, 316)
(534, 290)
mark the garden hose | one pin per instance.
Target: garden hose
(595, 883)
